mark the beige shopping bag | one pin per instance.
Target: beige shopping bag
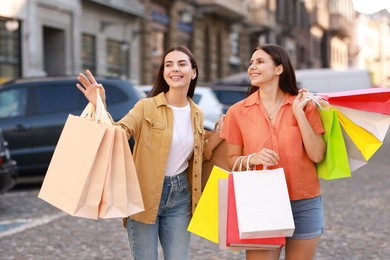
(75, 178)
(121, 194)
(134, 196)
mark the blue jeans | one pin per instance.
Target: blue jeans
(171, 224)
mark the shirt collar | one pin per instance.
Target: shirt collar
(161, 100)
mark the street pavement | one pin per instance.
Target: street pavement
(357, 217)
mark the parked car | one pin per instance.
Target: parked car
(240, 79)
(229, 94)
(33, 113)
(8, 171)
(207, 101)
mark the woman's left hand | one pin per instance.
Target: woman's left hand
(300, 102)
(88, 87)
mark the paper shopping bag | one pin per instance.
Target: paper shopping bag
(218, 158)
(371, 99)
(375, 123)
(335, 163)
(232, 237)
(75, 178)
(204, 221)
(134, 195)
(365, 141)
(121, 194)
(263, 204)
(222, 211)
(355, 157)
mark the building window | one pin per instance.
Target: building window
(117, 59)
(157, 42)
(89, 53)
(9, 53)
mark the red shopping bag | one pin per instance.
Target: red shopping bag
(372, 99)
(232, 234)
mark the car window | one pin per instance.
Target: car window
(230, 97)
(196, 98)
(114, 95)
(13, 102)
(60, 98)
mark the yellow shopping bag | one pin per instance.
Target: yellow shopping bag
(365, 141)
(204, 222)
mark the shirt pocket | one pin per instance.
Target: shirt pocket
(154, 134)
(292, 144)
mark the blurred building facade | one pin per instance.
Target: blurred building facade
(373, 42)
(127, 38)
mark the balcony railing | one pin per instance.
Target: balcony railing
(261, 17)
(320, 17)
(339, 25)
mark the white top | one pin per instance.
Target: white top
(182, 142)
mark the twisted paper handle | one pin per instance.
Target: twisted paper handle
(98, 115)
(319, 101)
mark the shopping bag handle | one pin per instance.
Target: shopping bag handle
(101, 112)
(248, 168)
(98, 115)
(239, 162)
(319, 101)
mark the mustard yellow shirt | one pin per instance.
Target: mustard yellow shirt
(150, 122)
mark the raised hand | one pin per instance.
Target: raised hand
(300, 102)
(88, 87)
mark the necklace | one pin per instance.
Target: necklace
(276, 107)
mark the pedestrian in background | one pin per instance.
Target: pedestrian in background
(168, 153)
(282, 129)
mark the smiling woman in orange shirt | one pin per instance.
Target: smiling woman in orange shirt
(283, 130)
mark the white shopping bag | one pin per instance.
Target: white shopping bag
(263, 204)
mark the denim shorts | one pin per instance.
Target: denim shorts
(308, 218)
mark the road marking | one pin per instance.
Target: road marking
(19, 225)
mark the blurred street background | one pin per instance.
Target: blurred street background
(334, 45)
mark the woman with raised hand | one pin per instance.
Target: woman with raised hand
(282, 129)
(169, 146)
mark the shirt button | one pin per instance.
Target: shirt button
(195, 189)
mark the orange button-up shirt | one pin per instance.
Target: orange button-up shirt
(247, 125)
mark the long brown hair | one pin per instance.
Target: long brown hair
(160, 85)
(287, 80)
